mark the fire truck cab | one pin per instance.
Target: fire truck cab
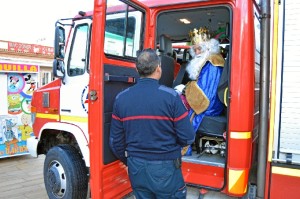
(95, 54)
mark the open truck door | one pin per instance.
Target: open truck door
(118, 33)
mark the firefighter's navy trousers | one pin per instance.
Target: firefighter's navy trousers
(153, 179)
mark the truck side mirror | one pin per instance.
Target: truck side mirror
(59, 42)
(59, 69)
(59, 53)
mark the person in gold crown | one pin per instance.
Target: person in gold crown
(204, 70)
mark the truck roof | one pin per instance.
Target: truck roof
(158, 3)
(212, 17)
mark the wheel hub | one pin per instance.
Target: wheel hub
(56, 179)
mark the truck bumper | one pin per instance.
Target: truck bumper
(32, 143)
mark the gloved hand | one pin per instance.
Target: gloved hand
(179, 88)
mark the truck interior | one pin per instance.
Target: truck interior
(172, 38)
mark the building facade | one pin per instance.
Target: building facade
(23, 68)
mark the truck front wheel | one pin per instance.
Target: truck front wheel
(65, 174)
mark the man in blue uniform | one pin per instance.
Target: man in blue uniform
(149, 127)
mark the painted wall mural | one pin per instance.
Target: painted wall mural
(16, 126)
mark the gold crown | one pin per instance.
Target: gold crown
(199, 35)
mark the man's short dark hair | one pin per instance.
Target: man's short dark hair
(147, 62)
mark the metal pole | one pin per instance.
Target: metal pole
(264, 97)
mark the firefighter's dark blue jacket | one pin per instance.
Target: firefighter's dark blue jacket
(149, 121)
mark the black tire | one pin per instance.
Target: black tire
(65, 174)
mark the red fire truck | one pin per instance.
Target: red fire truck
(95, 55)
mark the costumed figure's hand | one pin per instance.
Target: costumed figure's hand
(179, 88)
(184, 150)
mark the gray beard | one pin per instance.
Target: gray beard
(195, 66)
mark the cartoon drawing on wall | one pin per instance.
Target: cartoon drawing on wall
(8, 130)
(26, 105)
(14, 104)
(25, 129)
(9, 135)
(15, 83)
(16, 124)
(30, 85)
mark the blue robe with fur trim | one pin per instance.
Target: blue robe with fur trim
(208, 81)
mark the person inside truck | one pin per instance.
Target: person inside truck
(149, 126)
(204, 71)
(206, 68)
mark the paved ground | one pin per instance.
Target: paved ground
(21, 177)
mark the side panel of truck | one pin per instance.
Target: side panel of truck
(284, 157)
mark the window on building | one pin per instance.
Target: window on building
(46, 77)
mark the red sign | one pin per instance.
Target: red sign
(30, 48)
